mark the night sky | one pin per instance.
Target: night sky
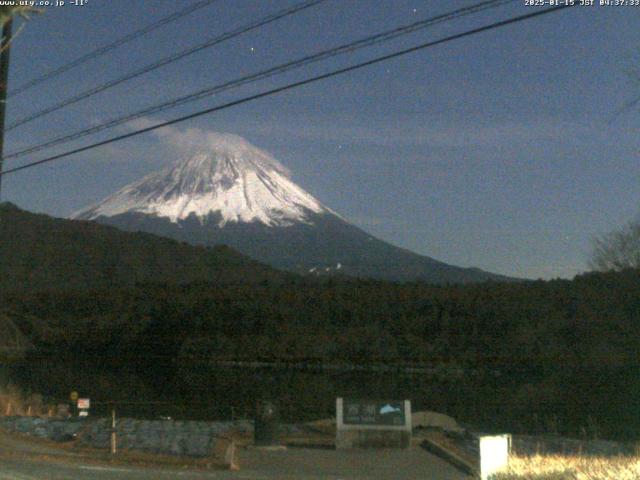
(508, 150)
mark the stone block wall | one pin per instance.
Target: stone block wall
(184, 438)
(168, 437)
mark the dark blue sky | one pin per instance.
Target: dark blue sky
(504, 150)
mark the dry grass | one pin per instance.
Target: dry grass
(14, 402)
(11, 401)
(557, 467)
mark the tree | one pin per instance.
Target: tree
(617, 250)
(8, 13)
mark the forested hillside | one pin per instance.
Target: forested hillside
(564, 348)
(39, 252)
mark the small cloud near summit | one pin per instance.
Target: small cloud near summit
(191, 140)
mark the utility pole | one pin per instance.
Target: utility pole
(5, 48)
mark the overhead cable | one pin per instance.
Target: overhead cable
(98, 52)
(293, 85)
(270, 72)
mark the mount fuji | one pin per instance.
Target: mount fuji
(233, 193)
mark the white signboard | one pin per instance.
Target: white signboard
(494, 454)
(84, 404)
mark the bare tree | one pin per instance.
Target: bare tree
(9, 13)
(617, 250)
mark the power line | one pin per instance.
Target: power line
(282, 68)
(291, 86)
(167, 60)
(107, 48)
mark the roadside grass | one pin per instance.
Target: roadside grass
(12, 401)
(559, 467)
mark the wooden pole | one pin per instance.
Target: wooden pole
(113, 432)
(5, 46)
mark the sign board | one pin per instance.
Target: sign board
(373, 423)
(84, 404)
(371, 412)
(494, 454)
(83, 413)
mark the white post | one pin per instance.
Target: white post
(494, 454)
(113, 431)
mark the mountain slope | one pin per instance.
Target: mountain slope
(233, 193)
(325, 245)
(41, 252)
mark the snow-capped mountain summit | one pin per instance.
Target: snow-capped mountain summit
(233, 178)
(233, 193)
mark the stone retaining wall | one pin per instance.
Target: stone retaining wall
(189, 438)
(53, 429)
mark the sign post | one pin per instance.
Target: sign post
(73, 396)
(84, 404)
(373, 423)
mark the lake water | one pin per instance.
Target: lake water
(589, 402)
(231, 392)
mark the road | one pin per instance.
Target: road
(21, 459)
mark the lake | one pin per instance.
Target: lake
(226, 392)
(517, 403)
